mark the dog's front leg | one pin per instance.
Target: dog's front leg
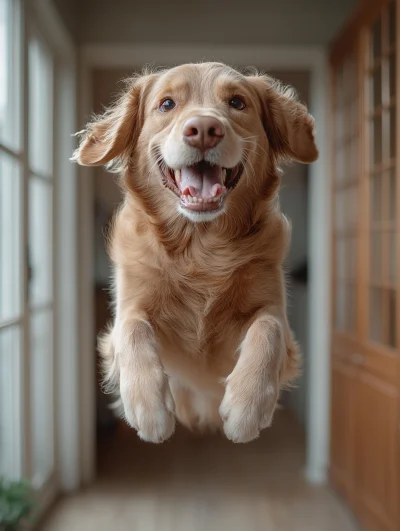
(252, 388)
(144, 388)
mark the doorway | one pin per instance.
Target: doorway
(118, 62)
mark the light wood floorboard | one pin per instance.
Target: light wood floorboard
(203, 484)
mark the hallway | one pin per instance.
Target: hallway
(195, 484)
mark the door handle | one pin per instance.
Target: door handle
(357, 359)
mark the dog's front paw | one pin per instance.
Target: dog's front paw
(148, 405)
(247, 407)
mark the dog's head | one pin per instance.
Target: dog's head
(195, 131)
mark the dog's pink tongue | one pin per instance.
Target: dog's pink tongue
(203, 181)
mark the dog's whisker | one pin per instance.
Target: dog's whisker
(254, 143)
(246, 155)
(158, 160)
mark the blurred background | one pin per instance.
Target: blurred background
(332, 458)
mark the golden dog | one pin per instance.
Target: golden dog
(200, 329)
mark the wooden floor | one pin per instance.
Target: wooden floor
(203, 484)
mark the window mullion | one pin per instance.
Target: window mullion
(25, 389)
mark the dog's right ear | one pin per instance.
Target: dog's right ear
(113, 134)
(287, 123)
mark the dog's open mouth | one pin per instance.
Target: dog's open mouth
(201, 187)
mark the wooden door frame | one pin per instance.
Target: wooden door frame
(359, 345)
(310, 58)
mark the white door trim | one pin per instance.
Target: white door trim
(312, 59)
(68, 449)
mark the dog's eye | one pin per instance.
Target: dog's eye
(237, 103)
(167, 105)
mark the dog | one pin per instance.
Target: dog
(200, 331)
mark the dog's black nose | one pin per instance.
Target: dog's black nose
(203, 132)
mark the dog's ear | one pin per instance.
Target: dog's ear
(113, 134)
(287, 123)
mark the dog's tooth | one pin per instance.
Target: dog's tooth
(224, 175)
(177, 175)
(194, 199)
(199, 199)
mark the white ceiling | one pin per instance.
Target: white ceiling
(302, 22)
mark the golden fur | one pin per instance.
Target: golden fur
(200, 329)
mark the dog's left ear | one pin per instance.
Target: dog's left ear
(113, 134)
(287, 123)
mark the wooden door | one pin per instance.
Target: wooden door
(365, 449)
(346, 204)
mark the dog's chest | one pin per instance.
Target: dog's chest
(203, 306)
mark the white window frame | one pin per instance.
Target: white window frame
(41, 15)
(14, 415)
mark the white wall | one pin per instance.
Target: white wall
(68, 12)
(107, 194)
(294, 204)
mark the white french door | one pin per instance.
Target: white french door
(27, 281)
(40, 259)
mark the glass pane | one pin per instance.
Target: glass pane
(40, 241)
(392, 23)
(339, 87)
(42, 396)
(392, 258)
(40, 108)
(341, 259)
(392, 194)
(339, 164)
(392, 318)
(351, 207)
(340, 305)
(354, 118)
(376, 139)
(10, 437)
(375, 304)
(376, 90)
(351, 257)
(376, 197)
(350, 158)
(392, 119)
(350, 307)
(339, 211)
(347, 158)
(354, 159)
(9, 74)
(376, 40)
(10, 238)
(376, 257)
(339, 124)
(392, 76)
